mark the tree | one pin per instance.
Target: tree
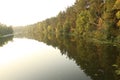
(66, 27)
(82, 22)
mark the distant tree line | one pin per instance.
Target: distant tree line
(4, 30)
(99, 19)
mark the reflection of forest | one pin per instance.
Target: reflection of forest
(6, 34)
(4, 40)
(96, 60)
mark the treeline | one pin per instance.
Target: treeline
(99, 19)
(4, 30)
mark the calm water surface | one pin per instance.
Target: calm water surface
(27, 59)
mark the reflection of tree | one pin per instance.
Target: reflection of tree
(4, 40)
(95, 60)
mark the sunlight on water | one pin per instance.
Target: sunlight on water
(25, 59)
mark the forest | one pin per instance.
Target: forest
(95, 19)
(76, 33)
(5, 30)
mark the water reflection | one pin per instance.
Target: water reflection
(26, 59)
(95, 60)
(4, 40)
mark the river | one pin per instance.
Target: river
(27, 59)
(58, 59)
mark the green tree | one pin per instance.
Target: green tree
(82, 22)
(66, 27)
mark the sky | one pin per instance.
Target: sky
(25, 12)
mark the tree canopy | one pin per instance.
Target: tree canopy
(98, 19)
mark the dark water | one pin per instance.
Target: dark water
(49, 58)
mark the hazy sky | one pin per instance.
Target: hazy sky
(23, 12)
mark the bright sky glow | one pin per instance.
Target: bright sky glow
(23, 12)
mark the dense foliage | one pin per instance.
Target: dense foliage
(97, 19)
(4, 30)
